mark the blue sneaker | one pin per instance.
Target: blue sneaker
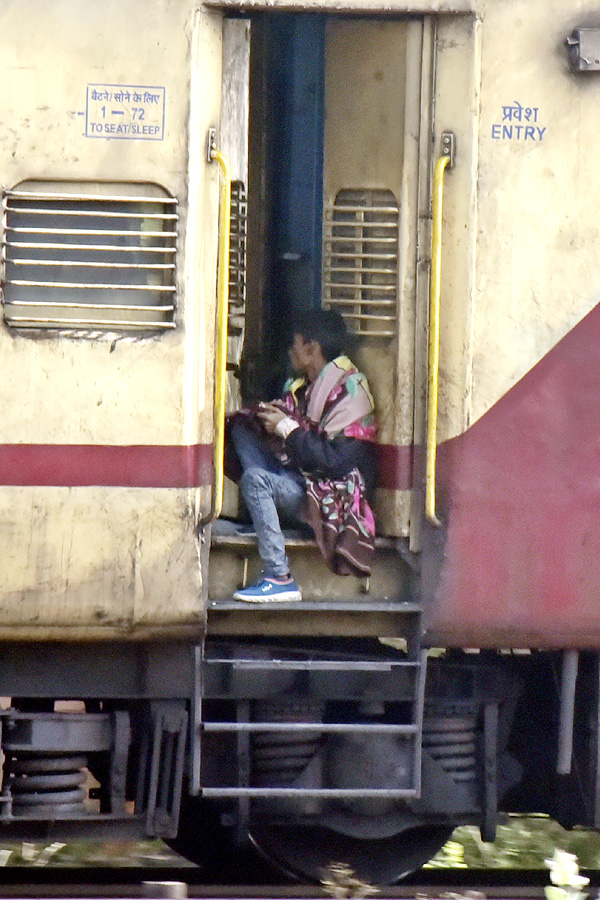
(269, 589)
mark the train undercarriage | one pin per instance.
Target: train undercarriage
(310, 755)
(328, 730)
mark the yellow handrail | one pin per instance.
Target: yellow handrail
(433, 374)
(221, 336)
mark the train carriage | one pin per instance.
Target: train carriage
(179, 180)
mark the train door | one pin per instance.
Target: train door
(375, 110)
(233, 141)
(339, 151)
(338, 159)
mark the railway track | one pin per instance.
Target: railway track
(110, 883)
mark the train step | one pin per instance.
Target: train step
(380, 605)
(230, 533)
(311, 620)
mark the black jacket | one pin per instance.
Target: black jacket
(314, 452)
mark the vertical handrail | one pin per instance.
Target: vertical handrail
(433, 357)
(221, 335)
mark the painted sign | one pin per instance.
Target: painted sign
(519, 123)
(125, 112)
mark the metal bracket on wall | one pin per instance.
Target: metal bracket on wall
(583, 47)
(449, 146)
(211, 144)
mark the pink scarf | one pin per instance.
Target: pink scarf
(337, 402)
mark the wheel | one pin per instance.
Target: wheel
(203, 839)
(305, 852)
(277, 852)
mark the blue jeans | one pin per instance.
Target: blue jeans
(268, 488)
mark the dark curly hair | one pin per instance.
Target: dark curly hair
(326, 327)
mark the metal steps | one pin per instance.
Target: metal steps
(254, 675)
(307, 729)
(310, 686)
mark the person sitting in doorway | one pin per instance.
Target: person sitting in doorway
(311, 457)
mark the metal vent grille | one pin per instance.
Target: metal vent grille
(79, 261)
(360, 260)
(237, 258)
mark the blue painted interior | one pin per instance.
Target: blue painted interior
(297, 79)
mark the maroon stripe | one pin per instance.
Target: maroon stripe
(148, 465)
(84, 465)
(395, 464)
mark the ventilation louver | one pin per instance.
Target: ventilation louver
(79, 261)
(237, 259)
(360, 261)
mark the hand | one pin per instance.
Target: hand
(270, 414)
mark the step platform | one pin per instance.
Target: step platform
(379, 606)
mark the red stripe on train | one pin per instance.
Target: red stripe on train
(395, 466)
(86, 465)
(146, 465)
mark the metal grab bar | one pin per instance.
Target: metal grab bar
(221, 336)
(303, 793)
(433, 358)
(324, 728)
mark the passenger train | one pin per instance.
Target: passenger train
(179, 179)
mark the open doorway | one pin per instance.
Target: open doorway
(337, 107)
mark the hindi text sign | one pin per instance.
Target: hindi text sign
(125, 112)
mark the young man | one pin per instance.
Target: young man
(317, 443)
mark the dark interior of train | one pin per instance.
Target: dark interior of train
(284, 190)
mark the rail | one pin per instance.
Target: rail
(221, 336)
(433, 358)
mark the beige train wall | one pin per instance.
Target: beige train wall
(104, 442)
(520, 236)
(520, 333)
(518, 272)
(520, 225)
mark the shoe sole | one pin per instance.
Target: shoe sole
(286, 598)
